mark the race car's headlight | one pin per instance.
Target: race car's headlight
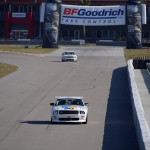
(55, 112)
(82, 112)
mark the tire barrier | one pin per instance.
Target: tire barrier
(140, 63)
(146, 45)
(140, 123)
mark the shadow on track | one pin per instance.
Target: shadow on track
(44, 122)
(37, 122)
(119, 132)
(146, 77)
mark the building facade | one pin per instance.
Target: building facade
(20, 19)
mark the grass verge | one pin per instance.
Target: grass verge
(6, 69)
(31, 49)
(136, 53)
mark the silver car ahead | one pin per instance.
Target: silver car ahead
(69, 56)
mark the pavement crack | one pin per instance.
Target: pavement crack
(49, 128)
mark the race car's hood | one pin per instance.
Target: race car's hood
(69, 107)
(69, 55)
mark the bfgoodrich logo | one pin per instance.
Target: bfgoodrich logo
(68, 12)
(93, 15)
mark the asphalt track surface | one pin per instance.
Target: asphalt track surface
(100, 75)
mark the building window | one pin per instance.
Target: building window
(146, 35)
(64, 35)
(111, 34)
(117, 34)
(71, 34)
(148, 12)
(29, 8)
(105, 34)
(123, 33)
(15, 9)
(35, 9)
(21, 9)
(2, 9)
(1, 34)
(88, 34)
(76, 34)
(99, 34)
(120, 35)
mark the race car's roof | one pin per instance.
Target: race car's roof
(71, 97)
(68, 52)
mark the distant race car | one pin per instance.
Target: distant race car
(69, 109)
(69, 56)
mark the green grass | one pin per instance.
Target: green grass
(31, 49)
(6, 69)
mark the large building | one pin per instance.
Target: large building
(20, 19)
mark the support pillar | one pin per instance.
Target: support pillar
(51, 24)
(134, 24)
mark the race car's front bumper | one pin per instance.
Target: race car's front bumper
(69, 59)
(69, 118)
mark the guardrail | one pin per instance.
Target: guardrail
(140, 123)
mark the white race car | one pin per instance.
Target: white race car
(69, 56)
(69, 109)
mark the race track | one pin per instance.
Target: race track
(100, 75)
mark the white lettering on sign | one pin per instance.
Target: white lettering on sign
(18, 15)
(93, 15)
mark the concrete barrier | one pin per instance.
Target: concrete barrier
(72, 42)
(69, 43)
(82, 42)
(110, 43)
(140, 123)
(148, 67)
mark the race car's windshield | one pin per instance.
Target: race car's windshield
(69, 102)
(68, 53)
